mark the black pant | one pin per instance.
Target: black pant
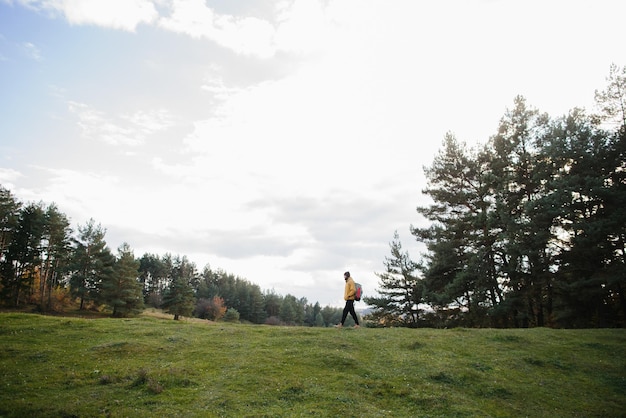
(349, 308)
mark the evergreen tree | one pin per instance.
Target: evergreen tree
(289, 310)
(231, 315)
(521, 180)
(56, 251)
(272, 303)
(179, 298)
(401, 291)
(257, 304)
(9, 220)
(23, 258)
(319, 320)
(122, 291)
(92, 262)
(612, 100)
(460, 269)
(591, 223)
(9, 216)
(332, 315)
(311, 313)
(153, 276)
(530, 230)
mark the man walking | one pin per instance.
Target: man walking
(348, 295)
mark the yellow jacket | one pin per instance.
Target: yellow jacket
(350, 290)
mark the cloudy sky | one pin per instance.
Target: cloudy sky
(281, 141)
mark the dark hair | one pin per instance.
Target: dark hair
(346, 274)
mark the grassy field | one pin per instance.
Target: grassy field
(154, 367)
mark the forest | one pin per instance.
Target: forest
(47, 265)
(526, 230)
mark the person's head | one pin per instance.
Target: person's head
(346, 275)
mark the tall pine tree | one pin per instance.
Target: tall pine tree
(461, 273)
(400, 290)
(122, 291)
(179, 299)
(91, 263)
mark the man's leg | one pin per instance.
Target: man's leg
(346, 309)
(353, 313)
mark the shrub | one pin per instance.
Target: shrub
(273, 320)
(232, 315)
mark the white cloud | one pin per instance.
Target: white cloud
(151, 121)
(121, 205)
(303, 27)
(217, 88)
(8, 176)
(81, 195)
(116, 14)
(244, 35)
(94, 125)
(32, 51)
(128, 130)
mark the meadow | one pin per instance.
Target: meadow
(156, 367)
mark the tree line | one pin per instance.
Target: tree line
(528, 229)
(45, 263)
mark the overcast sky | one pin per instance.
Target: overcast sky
(281, 141)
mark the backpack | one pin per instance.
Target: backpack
(359, 291)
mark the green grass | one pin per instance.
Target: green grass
(150, 367)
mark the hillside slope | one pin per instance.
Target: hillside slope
(147, 367)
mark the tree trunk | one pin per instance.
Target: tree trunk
(43, 279)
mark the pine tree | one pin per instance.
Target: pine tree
(521, 182)
(56, 248)
(92, 262)
(460, 269)
(289, 310)
(153, 276)
(23, 258)
(179, 298)
(400, 290)
(9, 212)
(612, 100)
(122, 291)
(591, 223)
(9, 221)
